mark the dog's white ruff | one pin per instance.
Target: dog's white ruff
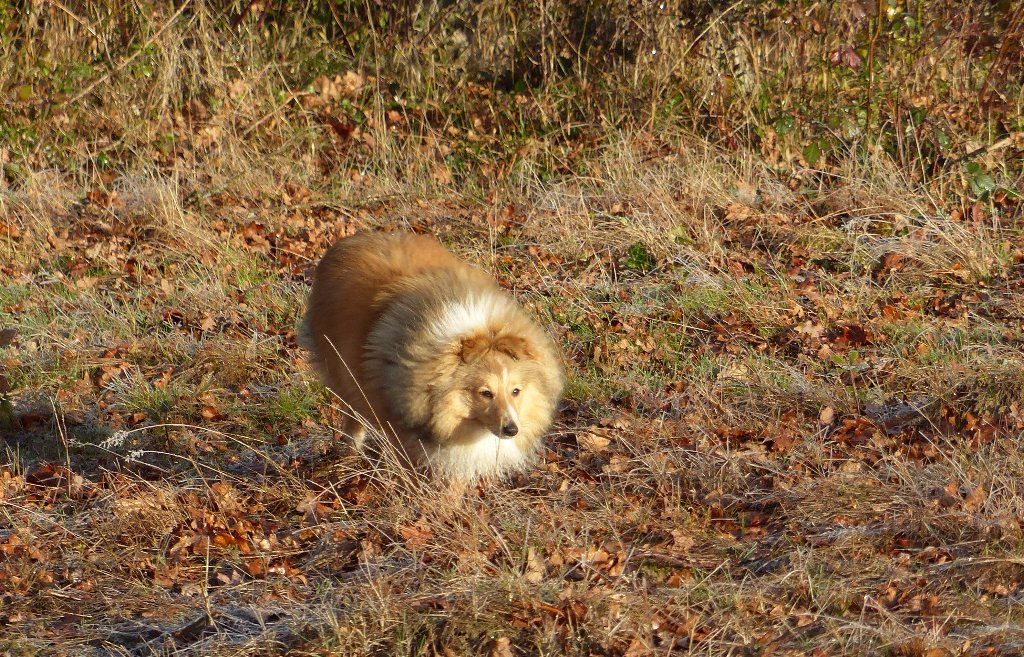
(466, 316)
(487, 455)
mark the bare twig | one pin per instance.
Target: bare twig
(1007, 39)
(990, 148)
(128, 60)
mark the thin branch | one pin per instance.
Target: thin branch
(990, 148)
(128, 60)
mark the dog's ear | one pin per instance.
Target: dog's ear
(472, 348)
(514, 346)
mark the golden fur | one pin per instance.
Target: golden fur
(430, 350)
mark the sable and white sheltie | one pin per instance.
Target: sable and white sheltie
(429, 351)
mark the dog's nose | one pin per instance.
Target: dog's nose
(509, 429)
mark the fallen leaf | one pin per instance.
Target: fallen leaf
(592, 442)
(7, 336)
(976, 498)
(501, 647)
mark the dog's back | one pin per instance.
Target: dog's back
(351, 287)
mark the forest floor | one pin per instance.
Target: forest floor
(781, 249)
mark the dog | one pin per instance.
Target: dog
(430, 352)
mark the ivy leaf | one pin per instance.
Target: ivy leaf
(639, 258)
(784, 124)
(982, 183)
(812, 153)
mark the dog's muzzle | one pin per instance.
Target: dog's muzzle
(508, 430)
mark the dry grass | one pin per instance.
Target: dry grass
(793, 414)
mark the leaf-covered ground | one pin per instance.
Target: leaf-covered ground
(779, 243)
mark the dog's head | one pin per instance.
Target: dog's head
(499, 376)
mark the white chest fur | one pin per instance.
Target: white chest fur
(486, 455)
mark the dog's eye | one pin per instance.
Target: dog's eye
(515, 392)
(487, 393)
